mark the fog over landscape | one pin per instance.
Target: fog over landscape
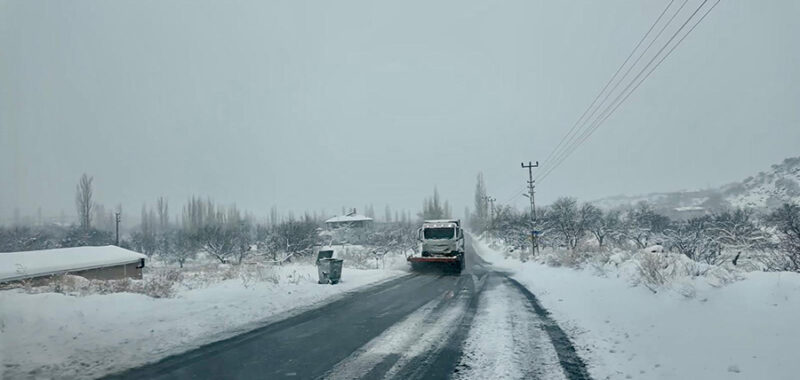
(293, 189)
(316, 106)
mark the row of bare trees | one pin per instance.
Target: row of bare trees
(223, 232)
(711, 238)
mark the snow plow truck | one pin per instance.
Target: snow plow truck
(442, 246)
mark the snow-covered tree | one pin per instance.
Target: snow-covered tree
(688, 237)
(83, 201)
(480, 220)
(162, 209)
(183, 245)
(570, 221)
(387, 214)
(433, 208)
(786, 220)
(643, 224)
(736, 230)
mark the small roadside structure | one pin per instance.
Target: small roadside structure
(350, 220)
(101, 263)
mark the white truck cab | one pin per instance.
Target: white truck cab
(441, 238)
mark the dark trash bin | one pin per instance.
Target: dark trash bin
(324, 254)
(330, 270)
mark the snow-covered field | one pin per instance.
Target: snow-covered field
(53, 335)
(746, 329)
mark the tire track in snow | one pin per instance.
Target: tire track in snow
(507, 339)
(574, 367)
(423, 332)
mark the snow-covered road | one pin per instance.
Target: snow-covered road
(478, 325)
(507, 339)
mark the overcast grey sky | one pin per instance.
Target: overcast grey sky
(323, 104)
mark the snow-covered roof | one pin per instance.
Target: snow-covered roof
(689, 208)
(19, 265)
(441, 221)
(348, 219)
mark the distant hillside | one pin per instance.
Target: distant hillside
(768, 189)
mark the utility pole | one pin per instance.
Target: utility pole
(117, 219)
(531, 192)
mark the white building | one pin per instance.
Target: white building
(351, 220)
(105, 263)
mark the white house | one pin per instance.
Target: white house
(351, 220)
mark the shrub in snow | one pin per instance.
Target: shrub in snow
(652, 269)
(563, 258)
(787, 221)
(157, 284)
(250, 274)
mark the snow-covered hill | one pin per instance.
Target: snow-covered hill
(767, 189)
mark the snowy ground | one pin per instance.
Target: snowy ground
(52, 335)
(506, 340)
(746, 329)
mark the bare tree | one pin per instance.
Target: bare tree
(83, 201)
(297, 237)
(387, 215)
(565, 217)
(688, 237)
(432, 208)
(185, 245)
(227, 234)
(145, 240)
(595, 222)
(787, 221)
(481, 218)
(643, 223)
(737, 231)
(162, 208)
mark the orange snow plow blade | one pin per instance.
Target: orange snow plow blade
(433, 259)
(448, 264)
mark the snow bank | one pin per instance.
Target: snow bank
(16, 265)
(746, 329)
(53, 335)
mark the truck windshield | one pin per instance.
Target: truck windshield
(439, 233)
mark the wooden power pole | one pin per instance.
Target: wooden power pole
(117, 219)
(531, 192)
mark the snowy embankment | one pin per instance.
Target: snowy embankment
(54, 335)
(694, 328)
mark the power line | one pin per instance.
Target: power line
(619, 69)
(622, 96)
(515, 195)
(625, 93)
(571, 140)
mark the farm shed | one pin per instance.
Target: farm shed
(102, 263)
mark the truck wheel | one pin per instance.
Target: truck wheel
(458, 265)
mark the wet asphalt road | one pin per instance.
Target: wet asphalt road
(362, 335)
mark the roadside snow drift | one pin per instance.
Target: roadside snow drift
(745, 330)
